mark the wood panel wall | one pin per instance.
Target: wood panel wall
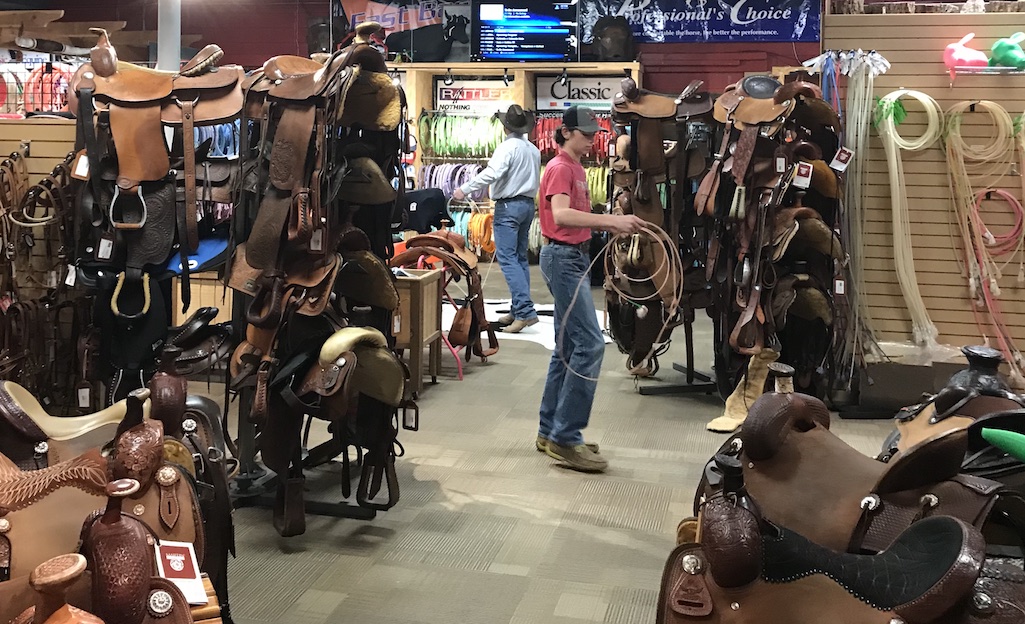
(914, 46)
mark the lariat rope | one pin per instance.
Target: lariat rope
(981, 165)
(671, 263)
(923, 330)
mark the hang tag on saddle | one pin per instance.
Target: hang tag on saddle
(69, 281)
(105, 249)
(410, 416)
(840, 287)
(781, 164)
(80, 170)
(841, 160)
(802, 179)
(317, 240)
(85, 396)
(396, 325)
(51, 279)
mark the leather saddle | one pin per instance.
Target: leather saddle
(53, 501)
(32, 438)
(450, 248)
(55, 583)
(808, 480)
(745, 564)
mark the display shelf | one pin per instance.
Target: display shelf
(985, 71)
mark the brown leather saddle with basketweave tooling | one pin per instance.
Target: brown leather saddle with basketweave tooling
(667, 145)
(786, 500)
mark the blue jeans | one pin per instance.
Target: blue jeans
(566, 403)
(512, 230)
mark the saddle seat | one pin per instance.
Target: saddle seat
(378, 373)
(287, 66)
(927, 572)
(17, 404)
(808, 480)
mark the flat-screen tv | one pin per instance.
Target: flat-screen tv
(524, 30)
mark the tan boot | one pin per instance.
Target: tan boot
(745, 394)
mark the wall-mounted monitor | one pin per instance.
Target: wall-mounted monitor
(524, 30)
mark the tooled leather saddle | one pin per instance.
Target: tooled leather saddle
(130, 214)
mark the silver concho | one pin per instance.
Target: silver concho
(870, 502)
(189, 425)
(982, 603)
(167, 476)
(41, 448)
(691, 564)
(160, 603)
(929, 501)
(5, 525)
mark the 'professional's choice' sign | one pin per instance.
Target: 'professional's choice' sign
(689, 21)
(473, 96)
(595, 92)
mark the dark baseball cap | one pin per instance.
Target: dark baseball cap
(581, 118)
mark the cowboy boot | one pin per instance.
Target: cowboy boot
(751, 386)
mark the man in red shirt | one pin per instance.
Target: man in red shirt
(566, 224)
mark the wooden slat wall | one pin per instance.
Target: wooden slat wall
(914, 46)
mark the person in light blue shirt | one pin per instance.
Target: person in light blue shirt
(514, 175)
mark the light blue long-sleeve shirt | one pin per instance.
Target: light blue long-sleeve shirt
(514, 169)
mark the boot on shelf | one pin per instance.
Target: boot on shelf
(751, 386)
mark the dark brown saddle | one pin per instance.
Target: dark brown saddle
(746, 564)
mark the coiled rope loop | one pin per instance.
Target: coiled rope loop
(924, 331)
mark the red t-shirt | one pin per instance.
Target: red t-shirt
(564, 176)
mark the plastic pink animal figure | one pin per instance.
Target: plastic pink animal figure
(960, 55)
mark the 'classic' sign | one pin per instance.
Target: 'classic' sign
(595, 92)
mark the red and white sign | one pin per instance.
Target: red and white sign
(176, 562)
(483, 97)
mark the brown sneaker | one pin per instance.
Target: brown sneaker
(579, 457)
(519, 325)
(542, 444)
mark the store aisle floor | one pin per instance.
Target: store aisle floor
(490, 531)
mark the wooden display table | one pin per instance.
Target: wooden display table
(417, 322)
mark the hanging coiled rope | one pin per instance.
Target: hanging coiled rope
(975, 170)
(923, 330)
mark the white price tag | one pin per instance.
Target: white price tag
(81, 168)
(396, 324)
(842, 159)
(840, 287)
(781, 164)
(106, 249)
(317, 240)
(84, 398)
(51, 279)
(69, 281)
(803, 178)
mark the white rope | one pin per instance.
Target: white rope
(861, 69)
(923, 330)
(974, 170)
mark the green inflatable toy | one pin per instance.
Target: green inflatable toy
(1010, 442)
(1008, 53)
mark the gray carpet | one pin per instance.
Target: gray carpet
(490, 531)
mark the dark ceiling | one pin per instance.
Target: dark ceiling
(10, 5)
